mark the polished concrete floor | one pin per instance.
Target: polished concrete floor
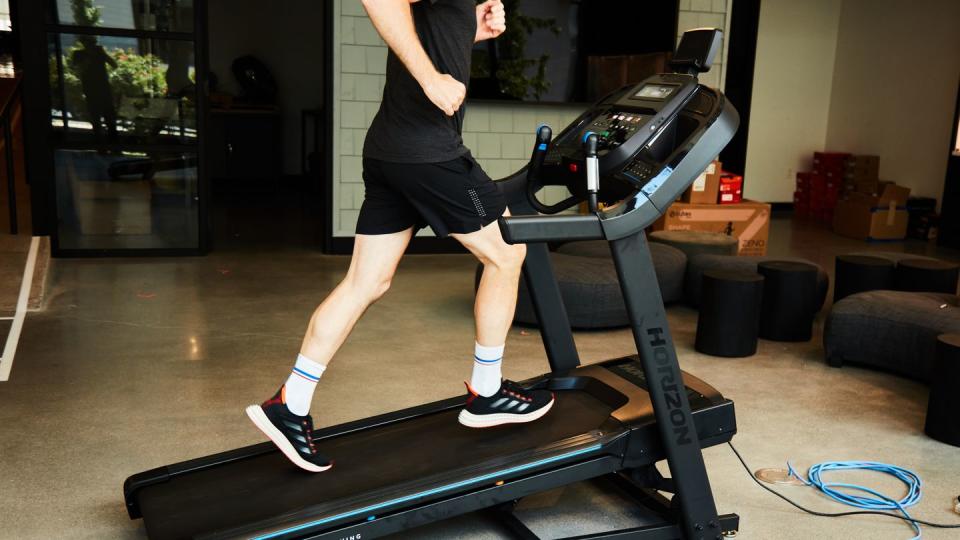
(138, 363)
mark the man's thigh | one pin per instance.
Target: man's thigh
(487, 243)
(377, 255)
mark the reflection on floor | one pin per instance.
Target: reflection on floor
(139, 363)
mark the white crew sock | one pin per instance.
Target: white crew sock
(298, 390)
(486, 369)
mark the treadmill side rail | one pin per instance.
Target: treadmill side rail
(671, 407)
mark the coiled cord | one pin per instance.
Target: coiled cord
(874, 500)
(913, 521)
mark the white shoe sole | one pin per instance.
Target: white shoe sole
(490, 420)
(259, 419)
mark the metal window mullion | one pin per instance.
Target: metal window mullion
(120, 32)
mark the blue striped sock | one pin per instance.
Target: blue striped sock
(301, 383)
(486, 369)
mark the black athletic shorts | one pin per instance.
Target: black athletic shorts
(451, 197)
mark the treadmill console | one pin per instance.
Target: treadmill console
(628, 124)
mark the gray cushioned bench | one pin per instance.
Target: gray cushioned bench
(892, 330)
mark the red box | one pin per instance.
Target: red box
(731, 189)
(830, 159)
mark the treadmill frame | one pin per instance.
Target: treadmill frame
(692, 512)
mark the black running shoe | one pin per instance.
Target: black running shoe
(512, 404)
(292, 434)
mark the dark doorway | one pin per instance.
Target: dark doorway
(266, 123)
(741, 54)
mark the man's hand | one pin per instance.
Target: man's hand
(491, 20)
(445, 92)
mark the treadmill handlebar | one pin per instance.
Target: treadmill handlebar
(531, 229)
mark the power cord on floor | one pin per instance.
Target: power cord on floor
(862, 502)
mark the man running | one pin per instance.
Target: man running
(417, 172)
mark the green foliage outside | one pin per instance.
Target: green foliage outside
(135, 75)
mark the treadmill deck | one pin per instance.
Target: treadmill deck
(383, 467)
(384, 463)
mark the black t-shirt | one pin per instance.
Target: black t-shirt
(409, 128)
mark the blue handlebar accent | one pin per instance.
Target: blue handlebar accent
(542, 147)
(587, 135)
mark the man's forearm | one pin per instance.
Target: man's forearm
(394, 21)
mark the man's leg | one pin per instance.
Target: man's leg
(494, 401)
(495, 303)
(497, 295)
(375, 259)
(285, 418)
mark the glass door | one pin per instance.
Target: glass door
(125, 122)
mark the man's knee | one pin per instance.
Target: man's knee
(368, 288)
(508, 258)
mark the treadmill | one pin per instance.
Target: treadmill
(639, 149)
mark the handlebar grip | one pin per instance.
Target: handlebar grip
(531, 229)
(544, 135)
(590, 140)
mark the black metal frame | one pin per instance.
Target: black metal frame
(34, 26)
(5, 118)
(658, 356)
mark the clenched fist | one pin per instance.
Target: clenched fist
(491, 20)
(445, 92)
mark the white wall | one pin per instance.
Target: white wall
(288, 37)
(792, 82)
(894, 87)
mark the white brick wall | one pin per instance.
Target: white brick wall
(707, 13)
(499, 135)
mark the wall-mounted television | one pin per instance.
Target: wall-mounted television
(563, 51)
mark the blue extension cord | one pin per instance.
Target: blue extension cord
(873, 500)
(912, 480)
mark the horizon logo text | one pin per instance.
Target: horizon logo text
(667, 380)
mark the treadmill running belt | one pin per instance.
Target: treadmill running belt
(370, 466)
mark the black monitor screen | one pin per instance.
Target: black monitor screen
(573, 50)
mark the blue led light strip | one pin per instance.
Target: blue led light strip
(429, 492)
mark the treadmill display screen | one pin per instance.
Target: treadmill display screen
(655, 91)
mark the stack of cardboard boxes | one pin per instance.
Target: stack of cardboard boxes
(818, 191)
(844, 190)
(881, 215)
(714, 203)
(862, 174)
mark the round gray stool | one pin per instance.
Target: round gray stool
(694, 243)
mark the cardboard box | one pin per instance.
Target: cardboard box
(874, 217)
(704, 189)
(748, 221)
(731, 189)
(863, 165)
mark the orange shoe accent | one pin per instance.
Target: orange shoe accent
(473, 393)
(283, 394)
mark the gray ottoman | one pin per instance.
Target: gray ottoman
(894, 256)
(590, 288)
(892, 330)
(697, 265)
(693, 243)
(669, 263)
